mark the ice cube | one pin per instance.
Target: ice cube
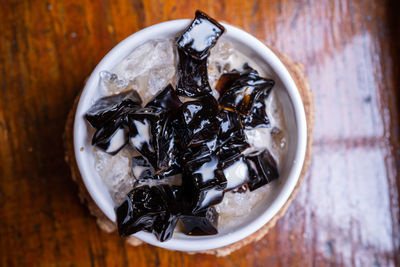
(111, 84)
(115, 172)
(159, 78)
(150, 55)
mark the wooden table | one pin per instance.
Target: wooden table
(347, 210)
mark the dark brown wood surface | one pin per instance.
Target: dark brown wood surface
(347, 210)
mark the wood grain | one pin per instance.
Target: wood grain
(346, 212)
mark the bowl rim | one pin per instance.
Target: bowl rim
(195, 244)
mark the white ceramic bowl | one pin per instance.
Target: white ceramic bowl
(290, 168)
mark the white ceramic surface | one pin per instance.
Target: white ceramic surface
(290, 168)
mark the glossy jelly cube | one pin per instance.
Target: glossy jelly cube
(138, 211)
(112, 136)
(194, 119)
(245, 91)
(201, 35)
(191, 76)
(204, 182)
(262, 170)
(230, 126)
(142, 169)
(236, 172)
(166, 99)
(202, 223)
(258, 116)
(107, 107)
(154, 209)
(152, 135)
(226, 81)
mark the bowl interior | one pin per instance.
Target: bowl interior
(289, 168)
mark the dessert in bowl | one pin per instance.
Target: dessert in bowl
(146, 62)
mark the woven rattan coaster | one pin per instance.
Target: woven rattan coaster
(297, 72)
